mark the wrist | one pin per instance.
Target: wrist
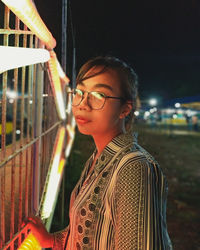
(52, 240)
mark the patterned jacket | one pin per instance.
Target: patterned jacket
(120, 205)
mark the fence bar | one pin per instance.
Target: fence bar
(3, 135)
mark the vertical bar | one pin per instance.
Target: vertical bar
(28, 131)
(3, 135)
(64, 66)
(33, 133)
(64, 35)
(12, 216)
(38, 131)
(21, 164)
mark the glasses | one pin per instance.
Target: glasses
(95, 99)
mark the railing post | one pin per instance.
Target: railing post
(37, 132)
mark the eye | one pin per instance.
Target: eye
(98, 95)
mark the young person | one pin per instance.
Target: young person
(120, 200)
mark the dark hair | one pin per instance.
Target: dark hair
(127, 76)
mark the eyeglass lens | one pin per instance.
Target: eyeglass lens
(95, 100)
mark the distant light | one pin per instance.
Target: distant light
(153, 102)
(11, 94)
(136, 113)
(13, 57)
(11, 101)
(31, 101)
(175, 116)
(18, 132)
(147, 113)
(177, 105)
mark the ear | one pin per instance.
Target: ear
(126, 109)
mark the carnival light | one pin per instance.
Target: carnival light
(53, 182)
(61, 73)
(177, 105)
(136, 113)
(71, 136)
(12, 57)
(26, 11)
(56, 85)
(153, 102)
(30, 243)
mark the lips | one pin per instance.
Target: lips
(81, 119)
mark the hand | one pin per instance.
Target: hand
(37, 228)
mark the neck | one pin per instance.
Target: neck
(101, 141)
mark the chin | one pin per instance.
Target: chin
(84, 131)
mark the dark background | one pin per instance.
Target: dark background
(160, 39)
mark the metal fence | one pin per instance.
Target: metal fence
(28, 131)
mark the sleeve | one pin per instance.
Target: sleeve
(136, 211)
(60, 239)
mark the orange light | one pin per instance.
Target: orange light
(55, 176)
(56, 86)
(71, 136)
(12, 57)
(26, 11)
(30, 243)
(61, 73)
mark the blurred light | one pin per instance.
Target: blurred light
(31, 101)
(153, 102)
(71, 135)
(175, 116)
(11, 94)
(12, 57)
(11, 101)
(56, 86)
(147, 113)
(177, 105)
(55, 176)
(30, 243)
(18, 132)
(136, 113)
(25, 10)
(61, 73)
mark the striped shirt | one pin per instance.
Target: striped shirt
(120, 205)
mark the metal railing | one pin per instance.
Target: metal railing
(29, 127)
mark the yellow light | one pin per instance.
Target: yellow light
(55, 176)
(71, 135)
(26, 11)
(30, 243)
(61, 73)
(13, 57)
(56, 86)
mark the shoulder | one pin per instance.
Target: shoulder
(136, 159)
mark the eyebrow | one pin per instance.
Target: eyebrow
(99, 85)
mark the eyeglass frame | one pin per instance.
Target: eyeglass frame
(89, 92)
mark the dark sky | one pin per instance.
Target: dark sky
(160, 39)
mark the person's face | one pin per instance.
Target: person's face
(109, 119)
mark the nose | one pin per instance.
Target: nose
(84, 103)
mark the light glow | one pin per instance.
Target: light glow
(153, 102)
(13, 57)
(26, 11)
(56, 86)
(55, 176)
(30, 243)
(71, 136)
(177, 105)
(61, 73)
(136, 113)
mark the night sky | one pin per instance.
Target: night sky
(159, 39)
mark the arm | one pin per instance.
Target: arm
(138, 217)
(129, 201)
